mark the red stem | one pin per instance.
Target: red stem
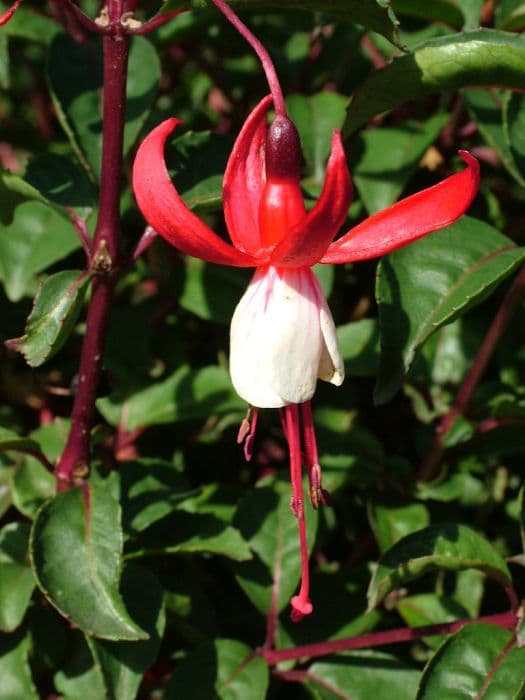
(106, 258)
(156, 22)
(262, 53)
(506, 311)
(507, 620)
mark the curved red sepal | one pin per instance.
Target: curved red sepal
(244, 179)
(409, 219)
(165, 211)
(307, 242)
(4, 19)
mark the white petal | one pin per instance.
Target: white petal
(331, 365)
(276, 340)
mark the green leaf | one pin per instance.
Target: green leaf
(196, 161)
(61, 181)
(362, 675)
(436, 10)
(477, 662)
(37, 238)
(388, 157)
(4, 61)
(55, 312)
(316, 117)
(392, 523)
(76, 552)
(80, 678)
(123, 663)
(376, 15)
(191, 533)
(9, 440)
(14, 668)
(510, 15)
(359, 344)
(479, 58)
(513, 124)
(220, 670)
(17, 581)
(212, 292)
(31, 25)
(267, 524)
(185, 395)
(429, 609)
(429, 283)
(32, 484)
(448, 546)
(75, 78)
(13, 191)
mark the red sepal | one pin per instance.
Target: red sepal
(305, 244)
(244, 180)
(165, 211)
(4, 19)
(409, 219)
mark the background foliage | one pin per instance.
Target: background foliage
(164, 590)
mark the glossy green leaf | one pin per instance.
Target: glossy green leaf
(212, 291)
(17, 581)
(510, 15)
(76, 552)
(388, 157)
(478, 58)
(392, 523)
(196, 162)
(31, 485)
(37, 238)
(477, 662)
(75, 77)
(123, 663)
(429, 609)
(9, 440)
(4, 61)
(79, 678)
(359, 344)
(185, 395)
(14, 668)
(191, 533)
(29, 24)
(429, 283)
(373, 14)
(449, 546)
(61, 181)
(267, 524)
(316, 117)
(513, 124)
(447, 11)
(13, 191)
(220, 670)
(362, 675)
(55, 312)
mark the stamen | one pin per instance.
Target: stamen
(300, 603)
(247, 430)
(317, 493)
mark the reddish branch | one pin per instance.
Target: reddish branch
(507, 620)
(73, 465)
(508, 308)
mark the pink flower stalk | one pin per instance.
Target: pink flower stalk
(283, 336)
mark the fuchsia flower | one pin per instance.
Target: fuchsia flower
(283, 336)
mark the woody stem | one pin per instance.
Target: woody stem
(105, 258)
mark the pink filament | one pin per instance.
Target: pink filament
(301, 604)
